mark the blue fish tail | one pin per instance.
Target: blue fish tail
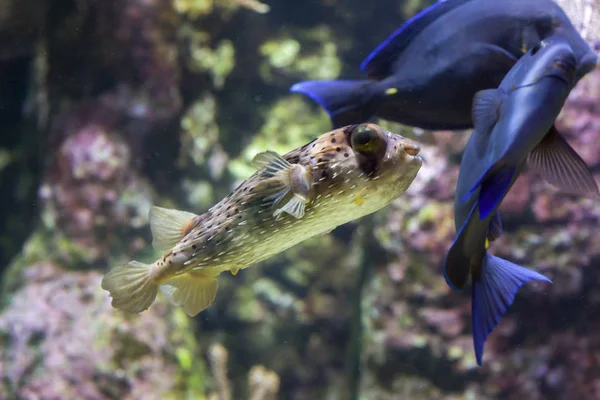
(493, 294)
(494, 185)
(344, 100)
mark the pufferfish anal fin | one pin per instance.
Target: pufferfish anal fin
(192, 291)
(169, 226)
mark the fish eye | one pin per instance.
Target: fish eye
(365, 139)
(536, 48)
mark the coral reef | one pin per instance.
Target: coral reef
(61, 339)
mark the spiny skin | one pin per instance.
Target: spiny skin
(241, 231)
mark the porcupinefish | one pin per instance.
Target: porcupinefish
(340, 176)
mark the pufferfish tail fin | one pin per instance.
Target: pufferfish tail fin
(131, 287)
(169, 226)
(192, 291)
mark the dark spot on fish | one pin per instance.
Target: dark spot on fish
(323, 148)
(346, 155)
(227, 209)
(174, 254)
(236, 210)
(194, 246)
(251, 189)
(320, 160)
(332, 134)
(395, 147)
(333, 140)
(170, 263)
(338, 149)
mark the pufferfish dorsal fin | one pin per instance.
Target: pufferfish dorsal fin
(169, 226)
(294, 178)
(272, 162)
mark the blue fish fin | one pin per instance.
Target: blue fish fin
(493, 293)
(456, 265)
(494, 183)
(485, 114)
(495, 230)
(494, 188)
(486, 109)
(556, 161)
(344, 100)
(378, 64)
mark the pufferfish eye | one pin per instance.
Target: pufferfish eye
(365, 139)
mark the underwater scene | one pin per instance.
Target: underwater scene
(318, 199)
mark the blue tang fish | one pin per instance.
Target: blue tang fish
(426, 73)
(513, 126)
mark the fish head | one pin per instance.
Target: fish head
(562, 63)
(361, 167)
(553, 22)
(365, 157)
(553, 57)
(388, 162)
(377, 152)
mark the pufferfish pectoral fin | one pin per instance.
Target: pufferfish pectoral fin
(168, 226)
(294, 207)
(272, 162)
(293, 178)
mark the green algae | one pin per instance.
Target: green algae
(5, 158)
(218, 61)
(200, 131)
(309, 54)
(191, 369)
(194, 8)
(289, 123)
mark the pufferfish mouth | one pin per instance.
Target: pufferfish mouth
(419, 158)
(413, 151)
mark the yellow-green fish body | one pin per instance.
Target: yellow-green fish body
(341, 176)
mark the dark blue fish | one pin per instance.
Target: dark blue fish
(513, 125)
(426, 73)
